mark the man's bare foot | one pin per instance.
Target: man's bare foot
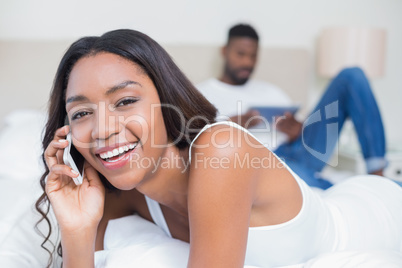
(378, 172)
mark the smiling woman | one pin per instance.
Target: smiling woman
(150, 137)
(110, 89)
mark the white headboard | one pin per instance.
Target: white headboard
(27, 69)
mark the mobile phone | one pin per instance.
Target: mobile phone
(74, 159)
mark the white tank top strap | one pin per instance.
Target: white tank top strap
(157, 215)
(229, 123)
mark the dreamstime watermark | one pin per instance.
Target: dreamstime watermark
(147, 126)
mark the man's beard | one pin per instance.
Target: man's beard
(233, 74)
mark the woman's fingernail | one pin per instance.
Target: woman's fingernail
(75, 172)
(62, 140)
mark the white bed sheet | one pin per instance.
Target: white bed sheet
(137, 243)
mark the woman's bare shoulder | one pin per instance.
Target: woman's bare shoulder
(221, 158)
(225, 139)
(230, 157)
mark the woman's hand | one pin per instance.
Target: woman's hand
(77, 208)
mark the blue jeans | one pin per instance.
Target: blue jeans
(348, 96)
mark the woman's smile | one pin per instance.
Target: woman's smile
(117, 156)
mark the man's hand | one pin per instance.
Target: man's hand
(250, 119)
(289, 125)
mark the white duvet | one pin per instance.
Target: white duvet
(129, 242)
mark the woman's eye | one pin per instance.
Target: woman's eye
(125, 102)
(79, 115)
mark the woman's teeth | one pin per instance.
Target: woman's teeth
(118, 151)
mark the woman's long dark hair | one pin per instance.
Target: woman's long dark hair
(173, 87)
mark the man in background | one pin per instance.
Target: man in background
(307, 147)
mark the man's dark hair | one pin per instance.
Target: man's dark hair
(242, 30)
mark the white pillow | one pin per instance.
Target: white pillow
(21, 145)
(135, 242)
(132, 241)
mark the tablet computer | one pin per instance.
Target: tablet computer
(270, 112)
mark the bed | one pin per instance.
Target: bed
(142, 246)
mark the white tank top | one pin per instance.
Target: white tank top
(340, 219)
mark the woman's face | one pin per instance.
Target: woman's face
(115, 118)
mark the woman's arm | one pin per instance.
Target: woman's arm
(79, 247)
(221, 193)
(78, 209)
(79, 227)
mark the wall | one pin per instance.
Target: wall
(292, 23)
